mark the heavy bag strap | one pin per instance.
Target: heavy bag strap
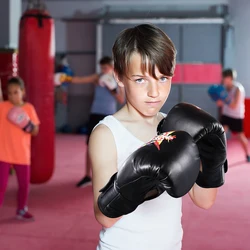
(38, 16)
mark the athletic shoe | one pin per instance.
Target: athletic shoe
(24, 215)
(84, 182)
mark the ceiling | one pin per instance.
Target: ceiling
(116, 8)
(153, 2)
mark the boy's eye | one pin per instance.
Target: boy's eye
(163, 79)
(140, 80)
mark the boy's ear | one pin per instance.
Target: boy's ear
(119, 82)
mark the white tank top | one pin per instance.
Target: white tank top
(239, 111)
(155, 224)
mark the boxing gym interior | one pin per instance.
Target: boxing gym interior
(41, 38)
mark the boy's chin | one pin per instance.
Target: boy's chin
(151, 113)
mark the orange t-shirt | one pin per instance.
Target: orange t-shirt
(14, 142)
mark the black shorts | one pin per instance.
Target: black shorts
(235, 125)
(93, 121)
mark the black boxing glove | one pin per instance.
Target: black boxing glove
(209, 136)
(170, 162)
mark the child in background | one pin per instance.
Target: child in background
(233, 113)
(18, 122)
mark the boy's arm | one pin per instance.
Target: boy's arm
(234, 103)
(203, 197)
(85, 79)
(102, 153)
(119, 95)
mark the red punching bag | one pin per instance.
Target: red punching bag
(36, 68)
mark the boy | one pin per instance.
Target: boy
(233, 114)
(104, 103)
(144, 62)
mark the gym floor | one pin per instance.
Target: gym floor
(65, 220)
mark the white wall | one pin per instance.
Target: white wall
(4, 24)
(10, 12)
(239, 15)
(15, 7)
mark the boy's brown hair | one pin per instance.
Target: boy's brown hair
(229, 73)
(154, 46)
(106, 60)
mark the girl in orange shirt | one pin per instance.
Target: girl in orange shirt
(18, 122)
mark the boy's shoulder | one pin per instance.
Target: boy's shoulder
(239, 86)
(109, 126)
(101, 134)
(107, 122)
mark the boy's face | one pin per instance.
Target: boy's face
(106, 68)
(145, 93)
(15, 94)
(227, 82)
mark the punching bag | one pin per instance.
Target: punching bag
(36, 68)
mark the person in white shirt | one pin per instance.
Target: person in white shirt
(233, 113)
(144, 63)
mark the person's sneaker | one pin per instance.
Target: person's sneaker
(248, 158)
(24, 215)
(84, 182)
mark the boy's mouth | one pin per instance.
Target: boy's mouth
(153, 103)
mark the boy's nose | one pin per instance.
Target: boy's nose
(153, 90)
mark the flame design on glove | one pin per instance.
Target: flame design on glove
(157, 140)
